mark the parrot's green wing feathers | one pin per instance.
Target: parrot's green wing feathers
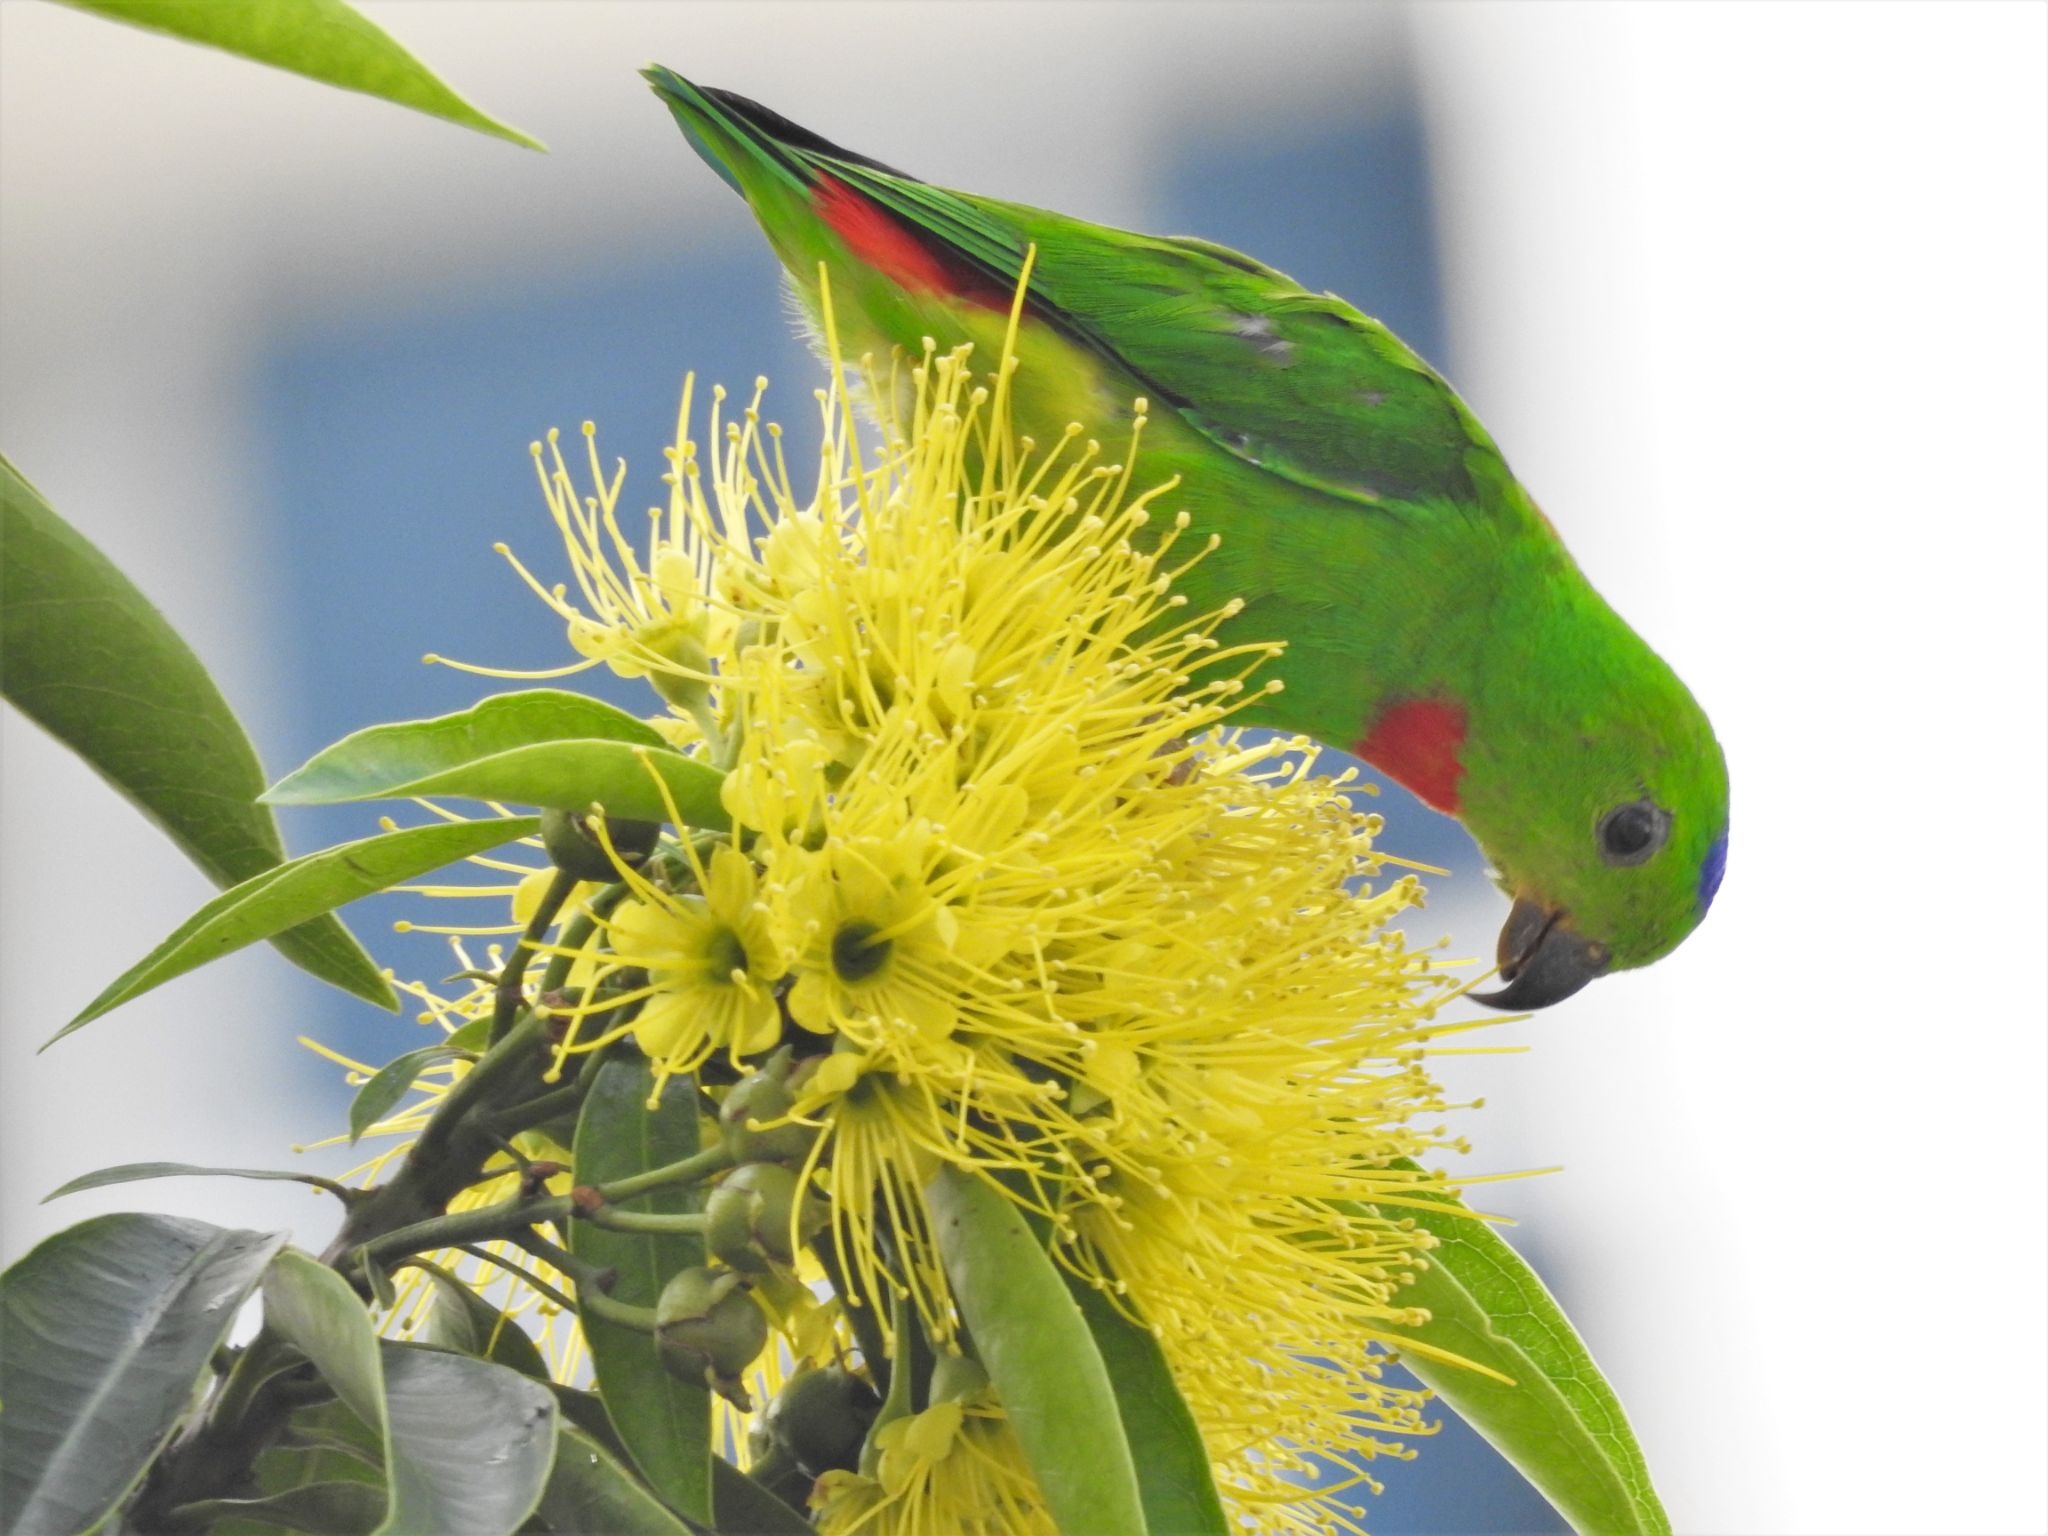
(1299, 383)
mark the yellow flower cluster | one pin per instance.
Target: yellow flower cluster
(1022, 902)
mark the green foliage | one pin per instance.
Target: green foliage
(664, 1423)
(543, 748)
(104, 1329)
(466, 1323)
(1174, 1476)
(291, 893)
(467, 1444)
(90, 659)
(591, 1490)
(324, 40)
(389, 1083)
(128, 1173)
(1041, 1358)
(1560, 1422)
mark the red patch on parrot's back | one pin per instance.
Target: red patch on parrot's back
(877, 237)
(1416, 743)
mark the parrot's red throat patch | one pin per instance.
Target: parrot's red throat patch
(1417, 743)
(877, 237)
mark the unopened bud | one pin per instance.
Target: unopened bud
(752, 1216)
(751, 1106)
(708, 1328)
(573, 847)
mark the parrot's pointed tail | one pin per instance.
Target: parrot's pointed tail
(751, 147)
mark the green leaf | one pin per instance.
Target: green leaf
(321, 1509)
(465, 1322)
(380, 1095)
(1175, 1478)
(324, 40)
(129, 1173)
(590, 1490)
(542, 747)
(88, 658)
(665, 1423)
(104, 1331)
(468, 1444)
(745, 1508)
(1040, 1356)
(1560, 1423)
(289, 894)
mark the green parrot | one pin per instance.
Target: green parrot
(1434, 623)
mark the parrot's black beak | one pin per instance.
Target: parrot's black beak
(1543, 959)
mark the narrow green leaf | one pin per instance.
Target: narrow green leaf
(129, 1173)
(324, 40)
(88, 658)
(378, 760)
(590, 1490)
(1560, 1423)
(104, 1331)
(1175, 1477)
(289, 894)
(1041, 1358)
(467, 1444)
(380, 1095)
(465, 1322)
(665, 1423)
(542, 747)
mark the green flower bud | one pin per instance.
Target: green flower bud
(820, 1418)
(708, 1328)
(573, 847)
(747, 1218)
(762, 1096)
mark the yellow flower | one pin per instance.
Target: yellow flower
(955, 1468)
(712, 961)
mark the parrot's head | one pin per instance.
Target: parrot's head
(1604, 813)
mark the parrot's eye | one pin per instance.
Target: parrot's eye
(1630, 833)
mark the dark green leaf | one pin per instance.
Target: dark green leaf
(324, 40)
(665, 1423)
(319, 1509)
(104, 1331)
(88, 658)
(1560, 1422)
(468, 1444)
(1040, 1356)
(469, 1439)
(591, 1491)
(465, 1322)
(325, 1443)
(745, 1508)
(128, 1173)
(291, 893)
(543, 747)
(1174, 1475)
(380, 1095)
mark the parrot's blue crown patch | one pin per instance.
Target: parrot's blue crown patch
(1711, 871)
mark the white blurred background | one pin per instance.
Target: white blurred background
(1753, 296)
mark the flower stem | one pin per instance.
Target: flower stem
(690, 1170)
(639, 1221)
(512, 980)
